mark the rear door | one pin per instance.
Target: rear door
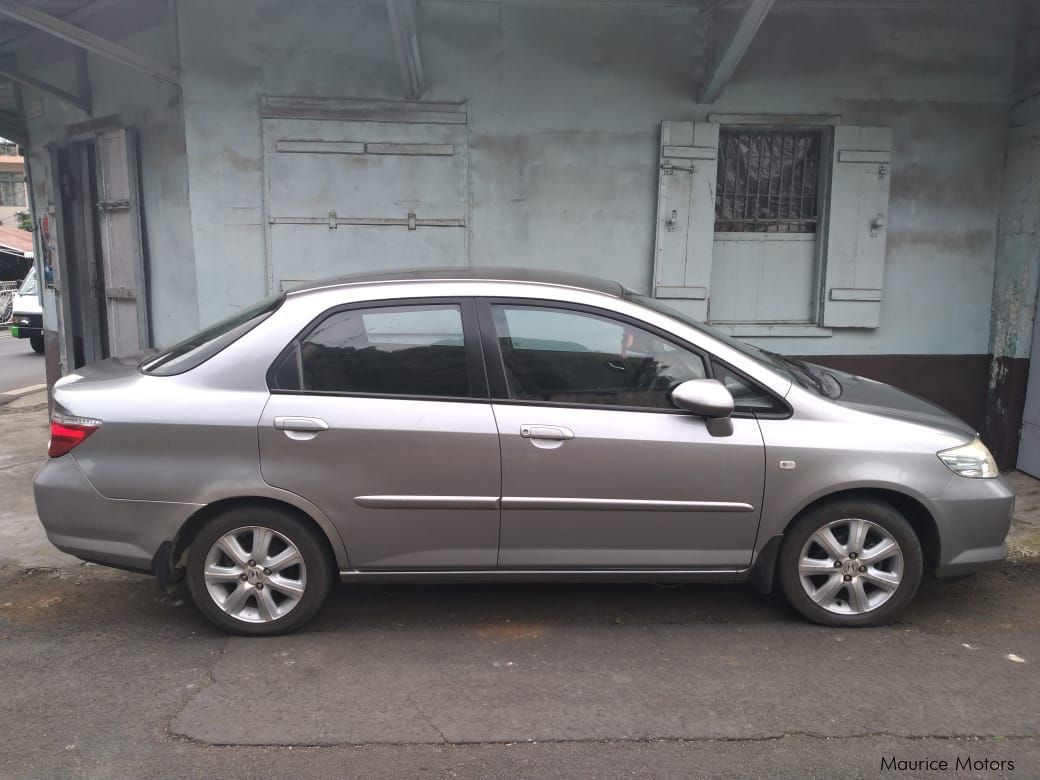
(379, 415)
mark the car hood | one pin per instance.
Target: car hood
(868, 395)
(25, 304)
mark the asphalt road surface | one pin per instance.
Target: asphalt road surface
(19, 365)
(103, 676)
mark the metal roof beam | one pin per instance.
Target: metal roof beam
(406, 43)
(84, 39)
(734, 52)
(9, 72)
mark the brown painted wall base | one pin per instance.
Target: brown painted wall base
(989, 395)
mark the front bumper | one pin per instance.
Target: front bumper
(973, 518)
(115, 532)
(25, 326)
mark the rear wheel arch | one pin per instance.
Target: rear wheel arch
(920, 519)
(187, 533)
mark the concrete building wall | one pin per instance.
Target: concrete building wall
(565, 104)
(1017, 276)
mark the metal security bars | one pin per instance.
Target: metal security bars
(768, 181)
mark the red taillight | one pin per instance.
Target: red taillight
(67, 432)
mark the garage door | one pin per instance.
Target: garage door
(353, 187)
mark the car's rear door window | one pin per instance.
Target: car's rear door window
(409, 350)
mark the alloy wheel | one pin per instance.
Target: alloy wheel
(850, 566)
(255, 574)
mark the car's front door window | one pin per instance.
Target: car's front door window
(555, 355)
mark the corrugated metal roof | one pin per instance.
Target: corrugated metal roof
(13, 239)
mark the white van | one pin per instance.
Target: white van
(27, 313)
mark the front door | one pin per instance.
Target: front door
(379, 416)
(599, 470)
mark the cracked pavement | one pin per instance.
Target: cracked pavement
(105, 676)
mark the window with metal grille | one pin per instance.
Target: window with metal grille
(768, 181)
(8, 149)
(12, 189)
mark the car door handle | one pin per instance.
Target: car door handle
(553, 432)
(302, 424)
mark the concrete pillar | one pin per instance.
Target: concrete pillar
(1018, 252)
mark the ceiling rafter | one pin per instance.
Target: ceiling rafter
(406, 43)
(87, 40)
(720, 73)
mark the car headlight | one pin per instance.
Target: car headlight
(970, 460)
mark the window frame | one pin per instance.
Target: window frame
(18, 190)
(499, 388)
(825, 125)
(475, 367)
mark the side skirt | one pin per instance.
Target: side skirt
(548, 575)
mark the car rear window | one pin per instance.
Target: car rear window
(197, 349)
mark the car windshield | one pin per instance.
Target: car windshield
(29, 284)
(806, 375)
(199, 348)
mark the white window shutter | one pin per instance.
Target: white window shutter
(119, 217)
(686, 214)
(857, 225)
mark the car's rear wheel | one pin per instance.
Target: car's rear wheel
(36, 342)
(851, 563)
(258, 571)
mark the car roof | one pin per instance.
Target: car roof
(468, 274)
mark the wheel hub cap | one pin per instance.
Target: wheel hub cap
(850, 566)
(255, 574)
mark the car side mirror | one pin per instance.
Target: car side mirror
(708, 398)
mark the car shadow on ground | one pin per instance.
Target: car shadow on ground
(114, 603)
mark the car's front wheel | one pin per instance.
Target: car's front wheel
(258, 571)
(36, 342)
(851, 563)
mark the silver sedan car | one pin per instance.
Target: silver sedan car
(488, 425)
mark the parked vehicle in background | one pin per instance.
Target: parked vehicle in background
(27, 313)
(493, 425)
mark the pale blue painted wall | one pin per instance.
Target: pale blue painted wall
(565, 104)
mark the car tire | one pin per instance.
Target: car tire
(36, 342)
(850, 563)
(226, 569)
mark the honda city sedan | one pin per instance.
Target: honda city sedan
(490, 425)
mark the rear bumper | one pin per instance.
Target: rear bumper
(973, 517)
(115, 532)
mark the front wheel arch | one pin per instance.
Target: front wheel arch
(914, 511)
